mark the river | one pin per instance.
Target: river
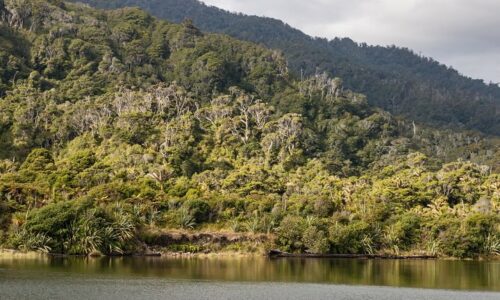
(42, 277)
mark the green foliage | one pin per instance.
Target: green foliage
(198, 209)
(117, 123)
(474, 235)
(352, 238)
(185, 248)
(403, 233)
(290, 232)
(315, 240)
(38, 160)
(75, 228)
(396, 79)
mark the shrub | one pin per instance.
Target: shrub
(323, 207)
(349, 238)
(470, 237)
(404, 232)
(198, 209)
(290, 232)
(39, 160)
(315, 240)
(75, 227)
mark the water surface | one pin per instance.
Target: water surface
(42, 277)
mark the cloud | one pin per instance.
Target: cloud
(460, 33)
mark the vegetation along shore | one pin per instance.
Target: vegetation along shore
(121, 133)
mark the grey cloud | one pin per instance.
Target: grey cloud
(462, 33)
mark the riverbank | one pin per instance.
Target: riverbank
(281, 254)
(10, 253)
(186, 243)
(179, 243)
(13, 254)
(207, 244)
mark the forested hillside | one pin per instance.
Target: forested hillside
(395, 79)
(115, 126)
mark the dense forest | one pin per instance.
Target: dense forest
(395, 79)
(116, 126)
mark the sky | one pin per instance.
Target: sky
(464, 34)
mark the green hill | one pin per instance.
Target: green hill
(115, 126)
(395, 79)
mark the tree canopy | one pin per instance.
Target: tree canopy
(395, 79)
(114, 124)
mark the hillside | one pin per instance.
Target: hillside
(115, 126)
(395, 79)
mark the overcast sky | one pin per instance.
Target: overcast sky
(462, 33)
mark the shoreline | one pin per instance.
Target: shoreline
(12, 253)
(280, 254)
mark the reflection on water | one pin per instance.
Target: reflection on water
(438, 274)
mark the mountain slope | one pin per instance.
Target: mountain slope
(395, 79)
(116, 127)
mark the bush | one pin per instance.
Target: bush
(404, 232)
(323, 207)
(470, 237)
(351, 238)
(315, 240)
(290, 232)
(75, 227)
(199, 210)
(39, 160)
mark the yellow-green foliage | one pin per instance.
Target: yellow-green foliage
(117, 122)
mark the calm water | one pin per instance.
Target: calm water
(245, 278)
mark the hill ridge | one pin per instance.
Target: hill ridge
(395, 79)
